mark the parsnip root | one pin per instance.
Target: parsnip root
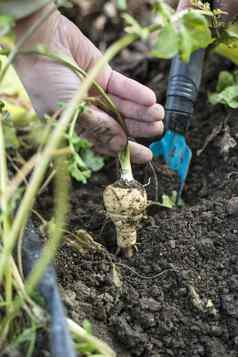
(125, 203)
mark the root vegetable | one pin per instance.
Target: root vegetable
(125, 202)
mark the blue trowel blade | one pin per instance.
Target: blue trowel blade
(176, 154)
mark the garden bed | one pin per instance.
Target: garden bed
(178, 296)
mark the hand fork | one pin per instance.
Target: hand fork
(182, 92)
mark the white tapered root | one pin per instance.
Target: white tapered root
(125, 204)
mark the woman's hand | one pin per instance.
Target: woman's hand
(49, 83)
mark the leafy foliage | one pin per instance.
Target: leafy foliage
(167, 44)
(228, 43)
(190, 34)
(83, 161)
(194, 34)
(226, 90)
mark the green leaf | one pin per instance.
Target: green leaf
(92, 161)
(83, 161)
(229, 43)
(226, 90)
(194, 34)
(79, 143)
(226, 79)
(228, 97)
(170, 201)
(80, 174)
(167, 201)
(190, 34)
(185, 44)
(167, 44)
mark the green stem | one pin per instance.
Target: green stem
(3, 178)
(80, 162)
(62, 184)
(100, 346)
(125, 162)
(5, 211)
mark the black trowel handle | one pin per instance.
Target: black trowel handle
(182, 92)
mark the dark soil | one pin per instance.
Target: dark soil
(179, 294)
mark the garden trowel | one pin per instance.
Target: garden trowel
(182, 92)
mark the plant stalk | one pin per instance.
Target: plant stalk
(125, 163)
(5, 214)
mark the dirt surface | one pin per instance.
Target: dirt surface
(178, 296)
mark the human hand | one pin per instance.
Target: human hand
(49, 83)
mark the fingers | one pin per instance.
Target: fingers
(136, 111)
(129, 89)
(102, 131)
(140, 129)
(107, 137)
(139, 153)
